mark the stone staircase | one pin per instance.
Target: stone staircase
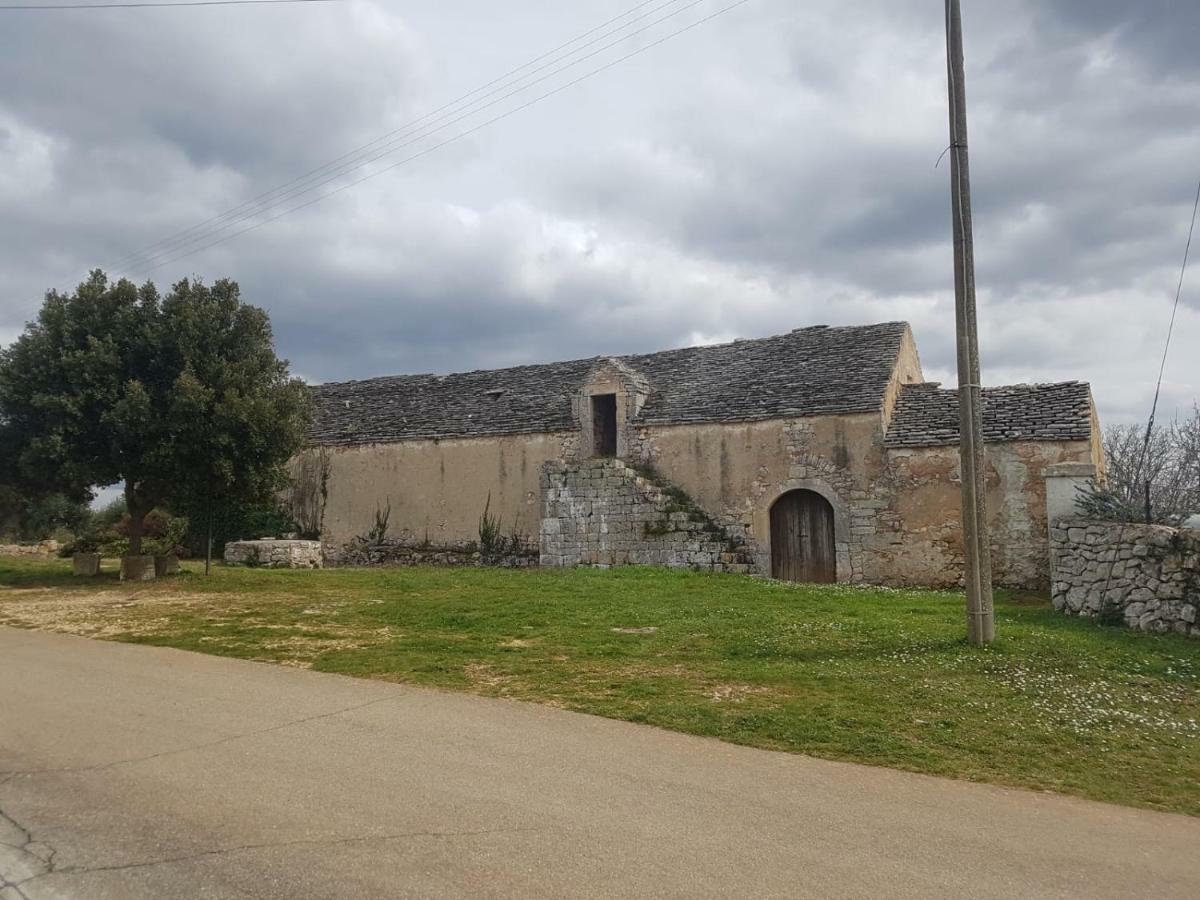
(603, 512)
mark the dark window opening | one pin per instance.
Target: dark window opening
(604, 424)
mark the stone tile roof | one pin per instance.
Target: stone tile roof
(808, 372)
(927, 415)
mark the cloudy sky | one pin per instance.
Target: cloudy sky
(771, 168)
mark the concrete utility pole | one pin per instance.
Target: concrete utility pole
(981, 626)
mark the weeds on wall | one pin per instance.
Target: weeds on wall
(378, 533)
(680, 501)
(493, 545)
(491, 542)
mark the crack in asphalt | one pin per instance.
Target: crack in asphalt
(243, 848)
(70, 770)
(45, 865)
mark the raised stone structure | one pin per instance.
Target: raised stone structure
(824, 443)
(274, 554)
(43, 549)
(401, 553)
(86, 564)
(603, 513)
(1146, 576)
(137, 568)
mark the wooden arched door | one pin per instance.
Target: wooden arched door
(802, 545)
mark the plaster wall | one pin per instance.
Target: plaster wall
(437, 489)
(926, 486)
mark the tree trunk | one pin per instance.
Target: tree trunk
(137, 520)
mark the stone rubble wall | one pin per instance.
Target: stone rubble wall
(42, 550)
(405, 553)
(601, 512)
(272, 554)
(1147, 576)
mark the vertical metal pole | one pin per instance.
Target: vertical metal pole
(981, 627)
(1148, 516)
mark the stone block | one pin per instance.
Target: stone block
(1076, 597)
(86, 565)
(279, 554)
(137, 568)
(166, 566)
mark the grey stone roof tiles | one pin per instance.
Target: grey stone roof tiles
(927, 415)
(808, 372)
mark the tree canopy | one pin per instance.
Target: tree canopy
(178, 396)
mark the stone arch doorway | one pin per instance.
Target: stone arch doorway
(802, 539)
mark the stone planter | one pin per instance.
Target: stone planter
(137, 568)
(86, 564)
(166, 565)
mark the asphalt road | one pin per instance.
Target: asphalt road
(135, 772)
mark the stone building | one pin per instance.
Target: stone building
(819, 455)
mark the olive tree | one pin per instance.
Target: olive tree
(174, 396)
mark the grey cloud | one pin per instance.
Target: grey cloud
(773, 170)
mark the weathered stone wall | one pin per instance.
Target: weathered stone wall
(1147, 576)
(399, 553)
(274, 554)
(737, 471)
(896, 512)
(925, 485)
(42, 549)
(602, 512)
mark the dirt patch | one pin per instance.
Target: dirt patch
(484, 675)
(107, 614)
(735, 693)
(518, 643)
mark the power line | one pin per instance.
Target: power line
(1162, 368)
(188, 245)
(33, 7)
(265, 200)
(460, 136)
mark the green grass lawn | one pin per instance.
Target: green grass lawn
(875, 676)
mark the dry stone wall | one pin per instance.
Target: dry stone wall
(43, 549)
(272, 554)
(1147, 576)
(603, 513)
(405, 553)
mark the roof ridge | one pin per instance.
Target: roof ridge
(624, 356)
(816, 371)
(929, 385)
